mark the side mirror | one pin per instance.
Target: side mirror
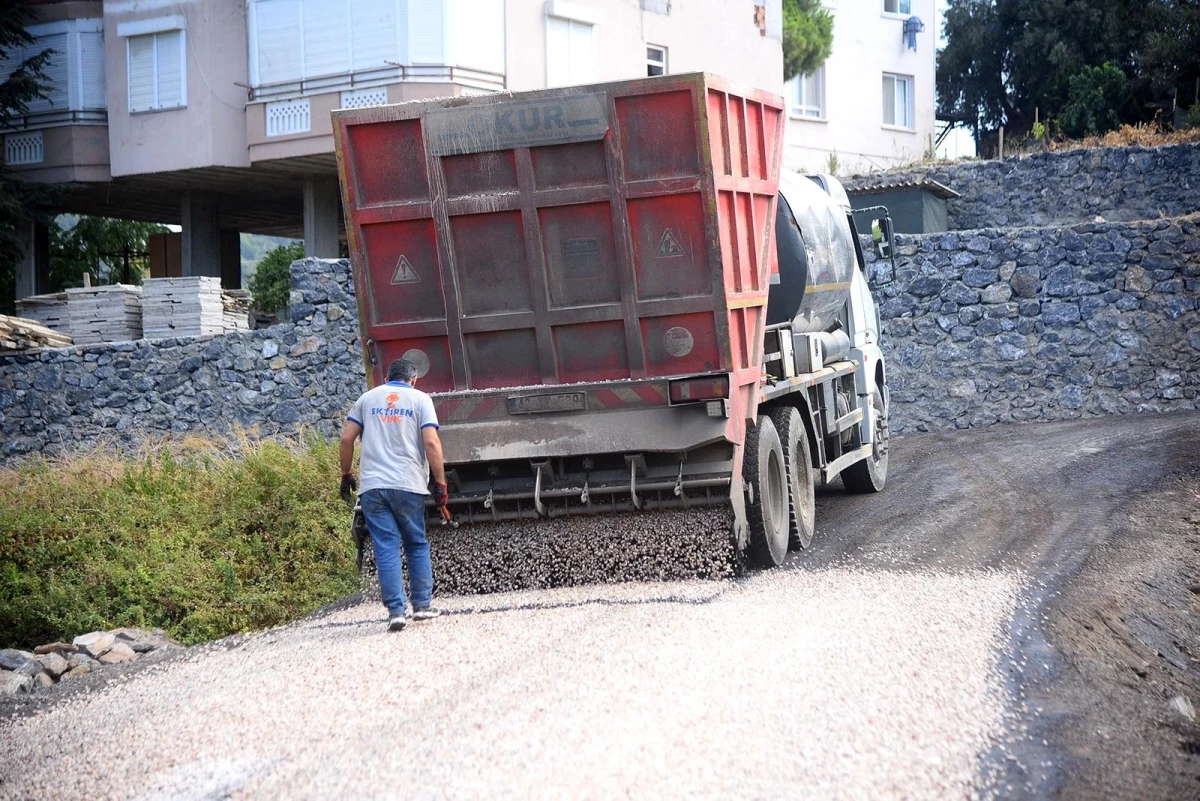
(881, 232)
(885, 249)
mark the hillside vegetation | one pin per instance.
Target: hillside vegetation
(204, 540)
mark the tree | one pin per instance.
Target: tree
(1169, 52)
(1005, 60)
(807, 37)
(1095, 97)
(26, 84)
(271, 285)
(97, 246)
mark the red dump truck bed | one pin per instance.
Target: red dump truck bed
(606, 237)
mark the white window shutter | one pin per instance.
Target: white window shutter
(9, 62)
(889, 100)
(583, 55)
(278, 38)
(55, 70)
(91, 63)
(558, 52)
(326, 38)
(141, 73)
(427, 32)
(374, 34)
(171, 91)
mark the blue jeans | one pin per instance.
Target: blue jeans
(394, 516)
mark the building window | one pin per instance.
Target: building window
(897, 6)
(74, 71)
(898, 101)
(157, 71)
(657, 6)
(656, 60)
(570, 52)
(806, 95)
(294, 41)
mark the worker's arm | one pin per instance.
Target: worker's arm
(433, 452)
(350, 434)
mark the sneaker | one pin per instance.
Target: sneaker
(397, 623)
(426, 613)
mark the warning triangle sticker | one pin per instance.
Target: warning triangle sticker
(669, 245)
(405, 274)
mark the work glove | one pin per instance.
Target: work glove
(349, 488)
(441, 493)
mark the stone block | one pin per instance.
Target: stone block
(1058, 313)
(95, 643)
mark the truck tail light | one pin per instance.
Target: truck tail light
(700, 388)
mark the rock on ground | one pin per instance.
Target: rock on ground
(95, 643)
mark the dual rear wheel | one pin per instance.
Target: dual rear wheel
(777, 470)
(778, 473)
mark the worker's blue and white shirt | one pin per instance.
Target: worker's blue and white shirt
(393, 417)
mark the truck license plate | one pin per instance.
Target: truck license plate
(537, 404)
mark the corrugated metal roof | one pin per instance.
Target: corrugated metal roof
(928, 184)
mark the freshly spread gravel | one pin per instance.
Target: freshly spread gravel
(584, 549)
(839, 683)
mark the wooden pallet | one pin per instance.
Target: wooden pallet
(19, 333)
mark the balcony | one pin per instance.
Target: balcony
(63, 137)
(308, 57)
(74, 73)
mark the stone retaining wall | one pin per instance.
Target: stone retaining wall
(1028, 324)
(1066, 187)
(980, 327)
(277, 380)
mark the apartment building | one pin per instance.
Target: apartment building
(871, 106)
(214, 114)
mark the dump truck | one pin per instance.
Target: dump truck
(619, 305)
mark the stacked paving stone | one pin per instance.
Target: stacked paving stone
(23, 671)
(49, 310)
(190, 307)
(105, 313)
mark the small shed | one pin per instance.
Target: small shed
(916, 206)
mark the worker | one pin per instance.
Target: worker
(400, 446)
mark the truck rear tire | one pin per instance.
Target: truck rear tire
(764, 472)
(870, 474)
(800, 482)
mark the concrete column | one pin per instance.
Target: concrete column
(27, 264)
(201, 245)
(321, 218)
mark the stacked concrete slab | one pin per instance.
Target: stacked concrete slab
(188, 307)
(105, 313)
(49, 310)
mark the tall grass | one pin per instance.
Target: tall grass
(202, 538)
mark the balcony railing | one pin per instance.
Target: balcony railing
(381, 76)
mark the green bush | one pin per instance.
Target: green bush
(271, 285)
(1095, 96)
(196, 540)
(1193, 117)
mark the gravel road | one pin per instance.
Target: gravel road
(931, 644)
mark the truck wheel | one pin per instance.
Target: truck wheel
(801, 499)
(368, 574)
(870, 474)
(764, 472)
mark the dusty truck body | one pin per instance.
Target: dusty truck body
(582, 276)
